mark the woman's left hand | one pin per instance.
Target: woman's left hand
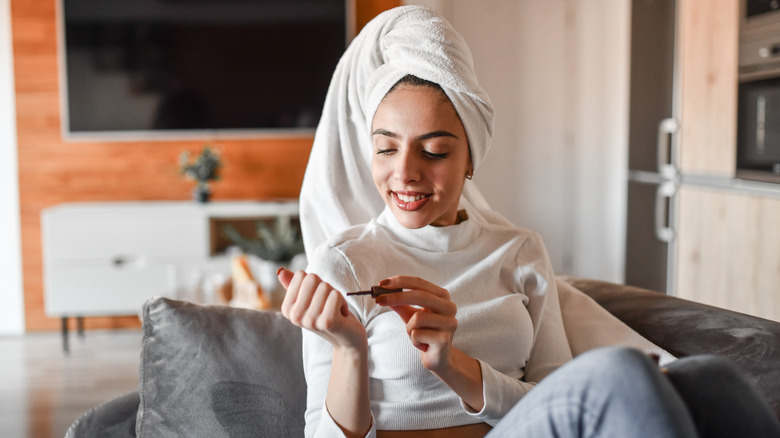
(429, 315)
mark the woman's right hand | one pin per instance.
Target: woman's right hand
(313, 304)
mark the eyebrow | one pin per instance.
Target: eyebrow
(422, 137)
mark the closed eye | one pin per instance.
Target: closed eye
(434, 156)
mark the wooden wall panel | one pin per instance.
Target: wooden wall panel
(365, 10)
(53, 171)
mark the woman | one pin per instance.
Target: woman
(421, 160)
(478, 323)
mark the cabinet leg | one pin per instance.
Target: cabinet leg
(80, 326)
(65, 346)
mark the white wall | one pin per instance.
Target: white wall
(602, 33)
(557, 72)
(11, 296)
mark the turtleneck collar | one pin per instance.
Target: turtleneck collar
(429, 238)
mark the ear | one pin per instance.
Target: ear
(470, 167)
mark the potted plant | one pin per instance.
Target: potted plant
(277, 243)
(204, 168)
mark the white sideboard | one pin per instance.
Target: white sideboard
(108, 258)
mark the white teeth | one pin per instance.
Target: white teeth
(409, 198)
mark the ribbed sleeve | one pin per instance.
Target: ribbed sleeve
(327, 428)
(500, 393)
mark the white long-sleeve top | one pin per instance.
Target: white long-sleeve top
(508, 316)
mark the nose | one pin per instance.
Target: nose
(407, 167)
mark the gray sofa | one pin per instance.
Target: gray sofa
(225, 372)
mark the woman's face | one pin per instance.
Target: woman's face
(421, 156)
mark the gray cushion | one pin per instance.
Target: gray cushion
(213, 371)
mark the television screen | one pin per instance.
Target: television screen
(153, 66)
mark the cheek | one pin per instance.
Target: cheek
(450, 179)
(378, 173)
(456, 186)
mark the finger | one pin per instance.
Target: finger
(405, 282)
(291, 295)
(422, 346)
(284, 276)
(306, 292)
(419, 298)
(315, 307)
(405, 312)
(331, 311)
(433, 321)
(429, 338)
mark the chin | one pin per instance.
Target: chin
(406, 221)
(413, 226)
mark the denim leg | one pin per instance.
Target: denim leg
(722, 401)
(608, 392)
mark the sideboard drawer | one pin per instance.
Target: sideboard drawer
(125, 238)
(105, 290)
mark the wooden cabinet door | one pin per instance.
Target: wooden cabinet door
(707, 44)
(729, 251)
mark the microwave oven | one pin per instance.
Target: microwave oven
(758, 110)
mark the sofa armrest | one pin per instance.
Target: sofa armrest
(686, 328)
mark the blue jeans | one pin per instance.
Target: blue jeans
(620, 392)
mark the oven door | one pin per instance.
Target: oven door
(758, 130)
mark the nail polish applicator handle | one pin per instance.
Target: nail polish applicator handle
(376, 291)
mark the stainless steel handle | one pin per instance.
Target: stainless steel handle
(760, 124)
(663, 229)
(128, 262)
(667, 159)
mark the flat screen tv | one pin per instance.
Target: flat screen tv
(172, 68)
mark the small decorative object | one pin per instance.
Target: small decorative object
(202, 169)
(278, 245)
(224, 292)
(247, 293)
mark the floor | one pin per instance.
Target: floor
(42, 390)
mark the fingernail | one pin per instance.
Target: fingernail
(384, 282)
(381, 299)
(656, 358)
(278, 271)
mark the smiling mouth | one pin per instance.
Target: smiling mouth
(410, 202)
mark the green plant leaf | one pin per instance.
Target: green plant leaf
(279, 243)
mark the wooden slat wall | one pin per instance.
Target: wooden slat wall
(365, 10)
(52, 171)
